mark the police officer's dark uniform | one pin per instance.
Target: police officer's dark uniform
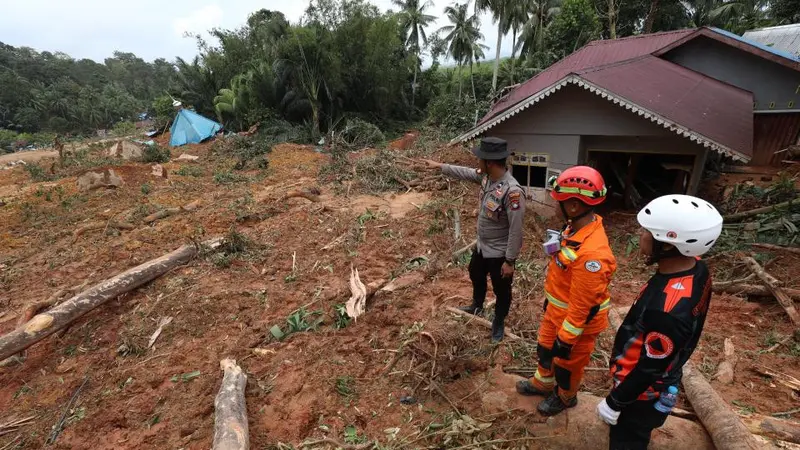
(500, 220)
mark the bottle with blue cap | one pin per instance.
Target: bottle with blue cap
(667, 400)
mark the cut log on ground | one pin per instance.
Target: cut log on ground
(749, 289)
(43, 325)
(754, 212)
(775, 287)
(727, 367)
(770, 427)
(164, 213)
(230, 410)
(726, 429)
(357, 303)
(777, 248)
(480, 321)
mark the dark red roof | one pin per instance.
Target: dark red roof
(718, 111)
(594, 54)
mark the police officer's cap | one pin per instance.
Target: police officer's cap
(492, 148)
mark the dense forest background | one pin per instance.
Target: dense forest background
(345, 62)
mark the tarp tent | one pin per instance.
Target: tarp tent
(191, 128)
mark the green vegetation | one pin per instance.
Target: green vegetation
(346, 71)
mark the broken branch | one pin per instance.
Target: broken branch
(164, 213)
(775, 287)
(776, 248)
(91, 226)
(302, 194)
(230, 409)
(61, 316)
(457, 254)
(749, 289)
(480, 321)
(754, 212)
(727, 367)
(782, 378)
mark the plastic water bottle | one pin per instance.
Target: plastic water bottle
(667, 400)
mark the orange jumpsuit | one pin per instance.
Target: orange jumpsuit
(576, 307)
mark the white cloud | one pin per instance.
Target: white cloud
(199, 21)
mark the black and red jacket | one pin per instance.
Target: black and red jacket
(659, 335)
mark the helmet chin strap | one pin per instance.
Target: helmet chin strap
(573, 218)
(659, 253)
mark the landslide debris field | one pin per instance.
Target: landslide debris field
(406, 374)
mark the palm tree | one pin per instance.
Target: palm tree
(542, 12)
(413, 21)
(461, 36)
(518, 16)
(475, 57)
(741, 15)
(500, 10)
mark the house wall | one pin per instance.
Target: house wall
(774, 86)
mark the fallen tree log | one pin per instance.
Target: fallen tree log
(230, 410)
(101, 225)
(726, 429)
(480, 321)
(749, 289)
(55, 319)
(310, 196)
(770, 427)
(775, 287)
(727, 368)
(776, 248)
(164, 213)
(754, 212)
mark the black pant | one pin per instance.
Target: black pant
(634, 426)
(479, 267)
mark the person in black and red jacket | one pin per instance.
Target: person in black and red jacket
(664, 325)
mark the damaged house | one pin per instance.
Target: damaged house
(649, 110)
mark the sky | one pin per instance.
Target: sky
(153, 29)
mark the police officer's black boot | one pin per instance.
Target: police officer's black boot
(475, 309)
(553, 405)
(498, 329)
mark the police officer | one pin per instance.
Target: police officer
(502, 208)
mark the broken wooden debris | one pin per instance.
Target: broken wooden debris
(727, 367)
(749, 289)
(158, 171)
(776, 248)
(357, 303)
(61, 316)
(161, 324)
(230, 409)
(457, 254)
(12, 425)
(775, 287)
(480, 321)
(754, 212)
(59, 426)
(100, 225)
(782, 378)
(772, 428)
(164, 213)
(187, 157)
(310, 195)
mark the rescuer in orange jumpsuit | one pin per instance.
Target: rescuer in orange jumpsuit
(576, 291)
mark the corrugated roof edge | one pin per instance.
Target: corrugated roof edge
(758, 45)
(637, 109)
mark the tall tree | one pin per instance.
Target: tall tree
(651, 17)
(786, 11)
(532, 37)
(413, 21)
(573, 27)
(518, 15)
(461, 37)
(739, 16)
(501, 12)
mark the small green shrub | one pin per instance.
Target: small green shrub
(123, 128)
(155, 154)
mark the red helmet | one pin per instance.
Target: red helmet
(581, 182)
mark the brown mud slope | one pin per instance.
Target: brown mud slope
(326, 382)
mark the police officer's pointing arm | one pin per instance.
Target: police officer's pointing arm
(515, 209)
(462, 173)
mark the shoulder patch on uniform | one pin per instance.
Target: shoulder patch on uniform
(657, 345)
(593, 266)
(514, 196)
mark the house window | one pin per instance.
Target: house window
(552, 173)
(530, 169)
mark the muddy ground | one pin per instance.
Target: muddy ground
(326, 382)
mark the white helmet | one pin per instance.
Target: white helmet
(691, 224)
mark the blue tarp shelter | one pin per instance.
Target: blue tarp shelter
(191, 128)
